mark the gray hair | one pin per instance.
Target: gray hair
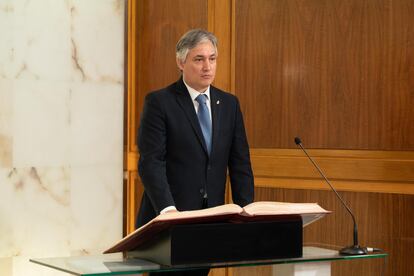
(190, 40)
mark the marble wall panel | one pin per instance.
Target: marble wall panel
(36, 211)
(40, 41)
(61, 130)
(95, 209)
(6, 41)
(92, 47)
(41, 123)
(6, 115)
(97, 112)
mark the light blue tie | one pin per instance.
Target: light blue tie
(204, 119)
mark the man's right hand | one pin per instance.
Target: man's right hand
(169, 209)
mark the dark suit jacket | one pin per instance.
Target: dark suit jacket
(174, 165)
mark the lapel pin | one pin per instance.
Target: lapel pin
(218, 102)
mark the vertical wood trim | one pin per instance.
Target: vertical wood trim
(131, 203)
(131, 120)
(219, 23)
(131, 65)
(233, 47)
(210, 15)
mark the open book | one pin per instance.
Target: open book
(257, 211)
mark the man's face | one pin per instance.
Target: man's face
(199, 68)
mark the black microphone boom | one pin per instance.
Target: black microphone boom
(354, 249)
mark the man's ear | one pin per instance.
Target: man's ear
(179, 64)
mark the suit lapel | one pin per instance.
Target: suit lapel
(215, 105)
(184, 100)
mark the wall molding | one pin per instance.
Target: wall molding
(348, 170)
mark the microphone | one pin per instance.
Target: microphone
(354, 249)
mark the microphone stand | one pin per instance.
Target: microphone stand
(354, 249)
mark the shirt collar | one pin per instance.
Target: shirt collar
(194, 93)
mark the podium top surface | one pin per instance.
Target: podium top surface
(116, 264)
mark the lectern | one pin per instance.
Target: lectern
(262, 233)
(224, 242)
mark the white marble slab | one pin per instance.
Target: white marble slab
(98, 111)
(41, 123)
(95, 209)
(7, 18)
(61, 130)
(35, 211)
(38, 40)
(92, 46)
(6, 115)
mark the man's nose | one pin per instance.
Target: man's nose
(206, 65)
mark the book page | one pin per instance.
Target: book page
(226, 209)
(282, 208)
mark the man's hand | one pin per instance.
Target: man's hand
(169, 209)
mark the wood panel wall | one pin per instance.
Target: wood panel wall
(339, 74)
(383, 222)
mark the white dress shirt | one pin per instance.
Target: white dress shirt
(194, 94)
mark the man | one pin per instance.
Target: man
(190, 135)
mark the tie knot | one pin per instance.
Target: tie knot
(201, 99)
